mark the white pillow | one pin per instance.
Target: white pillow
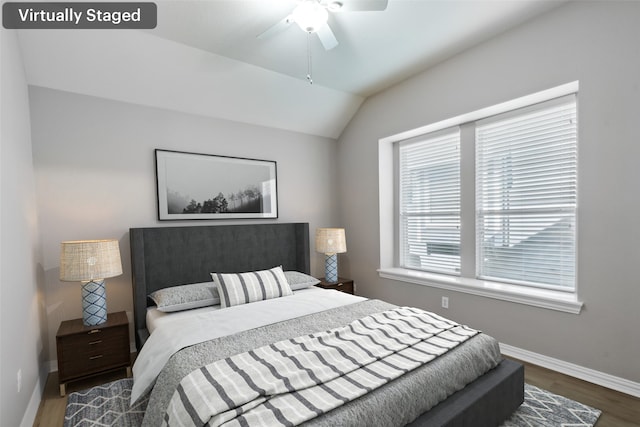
(243, 288)
(186, 297)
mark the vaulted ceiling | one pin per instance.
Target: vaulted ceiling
(204, 57)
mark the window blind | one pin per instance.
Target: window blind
(429, 200)
(526, 193)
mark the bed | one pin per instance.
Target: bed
(164, 257)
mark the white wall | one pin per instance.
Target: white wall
(21, 319)
(95, 172)
(141, 68)
(595, 43)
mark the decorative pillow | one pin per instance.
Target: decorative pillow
(299, 280)
(243, 288)
(186, 297)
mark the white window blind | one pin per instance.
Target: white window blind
(526, 171)
(429, 200)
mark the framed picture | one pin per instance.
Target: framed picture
(203, 186)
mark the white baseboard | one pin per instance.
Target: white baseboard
(31, 412)
(596, 377)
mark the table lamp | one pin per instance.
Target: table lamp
(90, 262)
(331, 242)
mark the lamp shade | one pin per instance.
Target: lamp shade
(86, 260)
(331, 240)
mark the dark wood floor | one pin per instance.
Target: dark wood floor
(618, 409)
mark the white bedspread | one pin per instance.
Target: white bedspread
(173, 336)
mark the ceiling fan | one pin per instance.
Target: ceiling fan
(312, 15)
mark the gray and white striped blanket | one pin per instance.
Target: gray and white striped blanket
(295, 380)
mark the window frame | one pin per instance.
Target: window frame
(467, 283)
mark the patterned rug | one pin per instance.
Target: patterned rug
(541, 408)
(104, 405)
(108, 405)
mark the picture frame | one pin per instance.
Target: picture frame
(192, 186)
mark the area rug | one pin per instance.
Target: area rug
(541, 408)
(108, 405)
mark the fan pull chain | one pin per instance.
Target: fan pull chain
(309, 77)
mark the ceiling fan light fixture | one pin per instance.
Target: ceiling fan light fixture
(335, 6)
(310, 16)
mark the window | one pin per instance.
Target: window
(430, 202)
(486, 203)
(526, 195)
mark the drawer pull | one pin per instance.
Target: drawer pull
(95, 357)
(339, 284)
(95, 342)
(94, 331)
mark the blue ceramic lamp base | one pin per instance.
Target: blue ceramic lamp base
(331, 268)
(94, 303)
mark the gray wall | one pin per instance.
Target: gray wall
(22, 325)
(95, 173)
(595, 43)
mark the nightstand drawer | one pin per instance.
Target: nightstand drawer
(83, 366)
(96, 339)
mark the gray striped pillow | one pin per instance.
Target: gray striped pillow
(243, 288)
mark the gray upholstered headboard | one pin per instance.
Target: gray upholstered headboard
(170, 256)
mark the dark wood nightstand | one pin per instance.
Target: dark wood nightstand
(343, 285)
(88, 350)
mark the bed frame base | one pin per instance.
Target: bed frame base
(491, 398)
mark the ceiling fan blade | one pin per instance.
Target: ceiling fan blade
(277, 28)
(362, 5)
(326, 37)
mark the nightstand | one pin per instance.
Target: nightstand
(88, 350)
(343, 285)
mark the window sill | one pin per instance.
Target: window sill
(544, 298)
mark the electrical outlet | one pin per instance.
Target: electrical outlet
(445, 302)
(19, 380)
